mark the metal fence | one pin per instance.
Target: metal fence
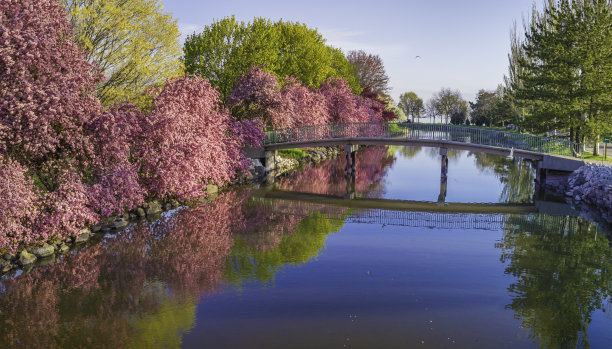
(414, 131)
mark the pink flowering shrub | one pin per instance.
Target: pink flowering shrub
(18, 205)
(187, 140)
(303, 105)
(257, 97)
(116, 135)
(65, 211)
(46, 87)
(342, 105)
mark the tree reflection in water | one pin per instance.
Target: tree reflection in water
(329, 177)
(104, 294)
(140, 288)
(516, 176)
(562, 277)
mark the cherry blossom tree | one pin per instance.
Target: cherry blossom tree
(188, 140)
(303, 105)
(117, 134)
(18, 205)
(342, 105)
(47, 89)
(257, 97)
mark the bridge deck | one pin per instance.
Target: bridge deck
(407, 142)
(551, 153)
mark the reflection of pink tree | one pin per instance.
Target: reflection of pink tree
(330, 176)
(91, 295)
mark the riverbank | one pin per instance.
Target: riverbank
(590, 188)
(44, 253)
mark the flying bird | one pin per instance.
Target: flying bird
(417, 57)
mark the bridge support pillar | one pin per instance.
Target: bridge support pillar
(350, 187)
(270, 165)
(444, 163)
(351, 159)
(270, 160)
(541, 174)
(442, 195)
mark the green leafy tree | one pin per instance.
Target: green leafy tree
(446, 101)
(227, 49)
(561, 71)
(431, 109)
(484, 110)
(390, 106)
(134, 43)
(411, 104)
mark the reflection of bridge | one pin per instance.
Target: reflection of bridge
(396, 205)
(549, 153)
(496, 217)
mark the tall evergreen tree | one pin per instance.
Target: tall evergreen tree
(561, 74)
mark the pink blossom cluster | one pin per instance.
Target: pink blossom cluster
(65, 161)
(190, 140)
(258, 95)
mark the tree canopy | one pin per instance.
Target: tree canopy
(370, 72)
(411, 104)
(134, 43)
(561, 70)
(227, 49)
(445, 102)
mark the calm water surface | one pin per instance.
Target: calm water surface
(253, 271)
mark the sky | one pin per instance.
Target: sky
(462, 44)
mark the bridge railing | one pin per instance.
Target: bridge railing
(417, 131)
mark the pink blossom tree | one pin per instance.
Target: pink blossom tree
(188, 140)
(65, 211)
(257, 97)
(342, 105)
(47, 89)
(303, 105)
(116, 135)
(18, 205)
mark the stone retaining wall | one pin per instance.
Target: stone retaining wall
(592, 184)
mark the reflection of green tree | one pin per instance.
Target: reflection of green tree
(453, 155)
(405, 152)
(563, 267)
(517, 179)
(294, 249)
(164, 327)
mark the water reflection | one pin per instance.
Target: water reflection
(157, 284)
(140, 284)
(562, 276)
(372, 165)
(516, 175)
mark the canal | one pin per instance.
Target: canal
(319, 261)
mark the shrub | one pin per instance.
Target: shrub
(190, 141)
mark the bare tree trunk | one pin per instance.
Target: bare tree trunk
(596, 146)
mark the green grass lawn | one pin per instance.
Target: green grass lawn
(591, 158)
(292, 153)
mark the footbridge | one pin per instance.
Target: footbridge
(550, 154)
